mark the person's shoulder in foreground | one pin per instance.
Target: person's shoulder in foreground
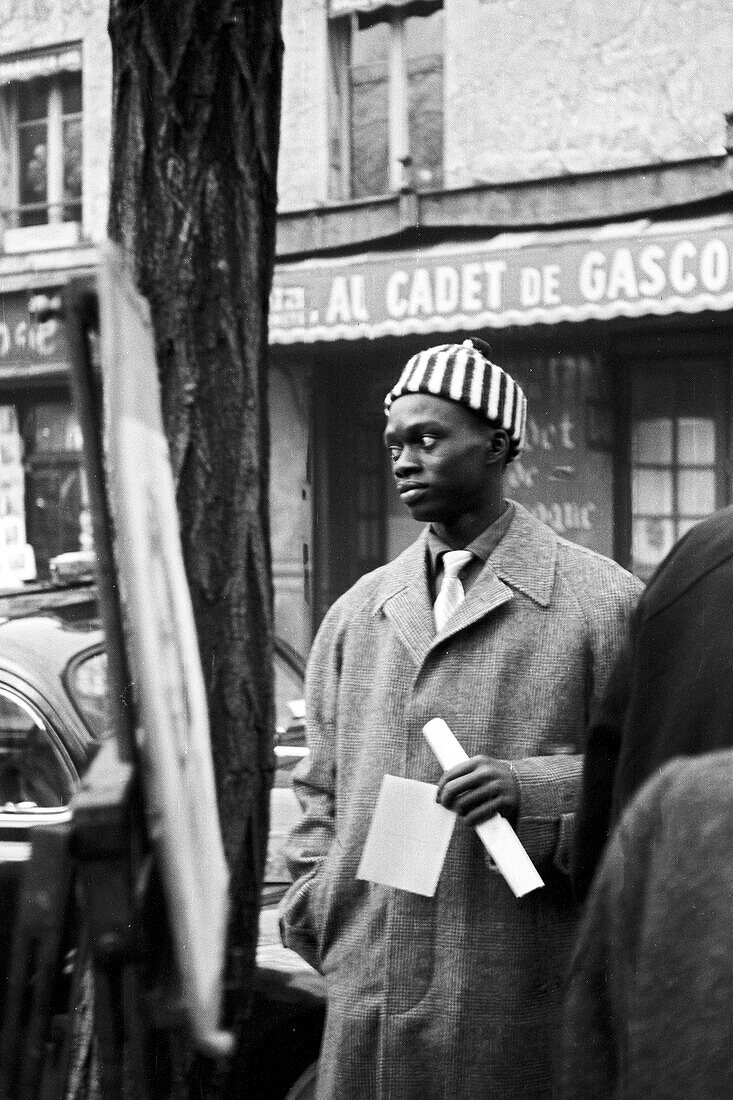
(669, 693)
(651, 984)
(702, 549)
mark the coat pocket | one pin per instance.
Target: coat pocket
(299, 919)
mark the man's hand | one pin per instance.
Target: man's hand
(479, 788)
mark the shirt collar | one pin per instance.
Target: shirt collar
(482, 546)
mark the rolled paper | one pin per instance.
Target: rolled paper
(496, 834)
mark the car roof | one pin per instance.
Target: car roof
(46, 629)
(43, 630)
(44, 644)
(69, 603)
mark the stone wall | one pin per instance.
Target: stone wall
(581, 86)
(537, 89)
(303, 163)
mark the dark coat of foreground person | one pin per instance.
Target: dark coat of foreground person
(649, 1011)
(671, 692)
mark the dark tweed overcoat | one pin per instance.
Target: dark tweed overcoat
(648, 1010)
(457, 995)
(671, 693)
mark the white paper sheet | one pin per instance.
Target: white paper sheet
(408, 837)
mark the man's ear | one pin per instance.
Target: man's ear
(498, 446)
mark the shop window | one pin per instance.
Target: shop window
(17, 562)
(41, 139)
(44, 508)
(386, 97)
(675, 460)
(56, 497)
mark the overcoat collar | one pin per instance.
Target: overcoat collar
(524, 561)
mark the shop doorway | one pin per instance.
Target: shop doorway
(350, 465)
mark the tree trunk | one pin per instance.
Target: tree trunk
(196, 108)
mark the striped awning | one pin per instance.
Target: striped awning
(597, 273)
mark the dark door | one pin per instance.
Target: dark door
(350, 476)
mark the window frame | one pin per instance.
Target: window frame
(678, 403)
(342, 30)
(57, 209)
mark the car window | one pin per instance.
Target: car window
(87, 685)
(33, 772)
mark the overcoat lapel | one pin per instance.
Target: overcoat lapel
(405, 600)
(485, 595)
(525, 559)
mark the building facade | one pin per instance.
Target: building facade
(55, 89)
(556, 179)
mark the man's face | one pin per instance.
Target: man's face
(439, 457)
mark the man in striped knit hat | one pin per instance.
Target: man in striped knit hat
(493, 623)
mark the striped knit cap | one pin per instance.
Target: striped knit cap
(459, 372)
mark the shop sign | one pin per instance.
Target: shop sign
(512, 279)
(28, 335)
(564, 474)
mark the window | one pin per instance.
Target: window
(87, 682)
(43, 495)
(387, 98)
(56, 496)
(33, 772)
(675, 458)
(41, 139)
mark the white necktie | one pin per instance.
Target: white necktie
(451, 593)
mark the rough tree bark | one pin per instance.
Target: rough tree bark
(196, 108)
